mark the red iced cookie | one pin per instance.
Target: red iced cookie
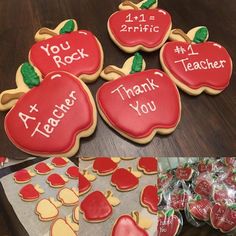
(203, 186)
(43, 168)
(149, 198)
(164, 179)
(104, 165)
(184, 172)
(59, 161)
(205, 166)
(148, 165)
(23, 176)
(179, 199)
(56, 180)
(195, 65)
(30, 192)
(84, 184)
(230, 179)
(73, 172)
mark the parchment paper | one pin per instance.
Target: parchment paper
(25, 210)
(129, 201)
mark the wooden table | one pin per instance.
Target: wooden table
(207, 127)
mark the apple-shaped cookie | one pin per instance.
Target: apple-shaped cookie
(204, 185)
(73, 172)
(85, 179)
(59, 161)
(68, 197)
(195, 65)
(230, 179)
(125, 179)
(43, 168)
(97, 207)
(205, 166)
(184, 172)
(57, 181)
(149, 198)
(105, 165)
(30, 192)
(148, 165)
(131, 225)
(66, 49)
(230, 161)
(223, 194)
(136, 27)
(178, 199)
(143, 99)
(164, 179)
(23, 176)
(44, 128)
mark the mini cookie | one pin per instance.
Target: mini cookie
(85, 180)
(223, 194)
(179, 199)
(148, 165)
(59, 161)
(149, 198)
(131, 225)
(142, 98)
(140, 26)
(230, 161)
(230, 179)
(56, 180)
(204, 186)
(76, 214)
(205, 166)
(164, 179)
(43, 168)
(97, 207)
(184, 172)
(23, 176)
(38, 127)
(125, 179)
(47, 209)
(105, 165)
(68, 197)
(73, 172)
(195, 65)
(30, 192)
(168, 224)
(67, 49)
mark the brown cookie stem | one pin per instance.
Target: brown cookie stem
(182, 34)
(47, 31)
(7, 97)
(130, 4)
(110, 69)
(136, 215)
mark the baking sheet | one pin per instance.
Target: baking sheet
(129, 201)
(25, 210)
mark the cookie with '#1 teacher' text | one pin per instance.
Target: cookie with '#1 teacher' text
(147, 108)
(140, 26)
(194, 64)
(44, 128)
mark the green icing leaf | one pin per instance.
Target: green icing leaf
(68, 27)
(30, 77)
(201, 35)
(148, 4)
(233, 207)
(137, 63)
(170, 212)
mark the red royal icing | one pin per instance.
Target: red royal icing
(168, 226)
(196, 71)
(42, 168)
(144, 27)
(124, 179)
(148, 164)
(150, 198)
(77, 53)
(104, 165)
(59, 162)
(84, 184)
(38, 126)
(55, 180)
(95, 207)
(73, 172)
(147, 99)
(22, 176)
(28, 192)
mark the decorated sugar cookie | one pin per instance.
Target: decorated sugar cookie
(140, 26)
(57, 181)
(204, 185)
(125, 179)
(30, 193)
(179, 199)
(149, 198)
(148, 165)
(97, 207)
(44, 128)
(59, 161)
(73, 172)
(105, 165)
(23, 176)
(184, 172)
(143, 99)
(68, 196)
(85, 179)
(47, 209)
(76, 214)
(43, 168)
(66, 48)
(194, 64)
(133, 224)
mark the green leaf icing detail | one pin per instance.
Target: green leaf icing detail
(170, 212)
(68, 27)
(30, 77)
(201, 35)
(148, 4)
(137, 63)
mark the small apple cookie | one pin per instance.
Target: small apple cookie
(57, 181)
(23, 176)
(47, 209)
(73, 172)
(43, 168)
(140, 26)
(148, 165)
(105, 165)
(76, 214)
(37, 126)
(97, 207)
(59, 161)
(125, 179)
(85, 179)
(68, 196)
(195, 65)
(30, 193)
(131, 225)
(184, 172)
(142, 98)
